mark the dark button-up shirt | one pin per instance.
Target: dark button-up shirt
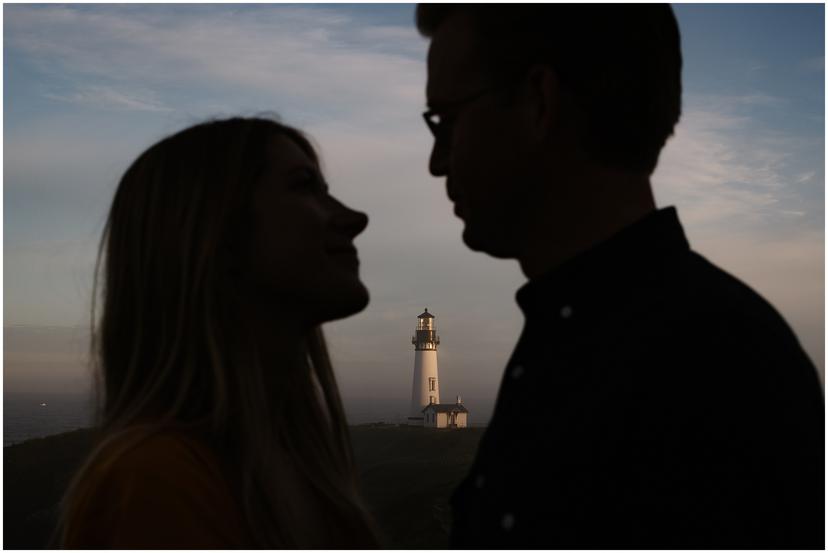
(652, 401)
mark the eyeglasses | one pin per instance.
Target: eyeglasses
(439, 121)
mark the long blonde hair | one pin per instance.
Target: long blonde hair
(172, 346)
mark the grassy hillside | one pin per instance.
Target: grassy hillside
(407, 474)
(35, 473)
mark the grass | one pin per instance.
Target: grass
(407, 474)
(35, 474)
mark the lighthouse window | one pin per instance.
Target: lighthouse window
(432, 399)
(432, 384)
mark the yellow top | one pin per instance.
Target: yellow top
(162, 490)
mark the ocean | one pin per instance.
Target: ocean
(31, 415)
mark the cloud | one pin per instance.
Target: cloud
(814, 64)
(759, 99)
(291, 55)
(109, 97)
(733, 107)
(806, 177)
(728, 170)
(358, 89)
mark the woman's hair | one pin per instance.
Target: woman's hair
(172, 346)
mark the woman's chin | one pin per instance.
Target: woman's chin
(339, 300)
(349, 300)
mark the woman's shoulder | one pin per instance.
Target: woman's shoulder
(147, 487)
(160, 451)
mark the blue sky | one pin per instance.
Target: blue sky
(88, 87)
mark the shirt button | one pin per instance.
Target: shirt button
(517, 371)
(479, 482)
(566, 311)
(507, 522)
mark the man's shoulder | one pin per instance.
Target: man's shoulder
(685, 297)
(725, 319)
(692, 287)
(684, 317)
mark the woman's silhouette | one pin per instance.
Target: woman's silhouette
(222, 426)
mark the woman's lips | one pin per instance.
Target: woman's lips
(345, 255)
(343, 250)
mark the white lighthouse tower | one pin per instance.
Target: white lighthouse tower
(425, 389)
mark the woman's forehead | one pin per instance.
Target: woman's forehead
(285, 154)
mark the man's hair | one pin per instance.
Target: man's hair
(621, 63)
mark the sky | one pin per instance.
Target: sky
(88, 87)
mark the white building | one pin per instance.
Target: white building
(426, 409)
(446, 415)
(425, 388)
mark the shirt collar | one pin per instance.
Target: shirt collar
(601, 269)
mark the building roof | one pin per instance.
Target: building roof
(425, 315)
(446, 408)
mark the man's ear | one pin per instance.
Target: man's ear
(545, 99)
(233, 251)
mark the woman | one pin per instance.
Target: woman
(222, 424)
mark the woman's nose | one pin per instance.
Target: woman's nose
(360, 222)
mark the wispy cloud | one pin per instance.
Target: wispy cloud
(725, 167)
(747, 195)
(806, 177)
(108, 97)
(815, 64)
(288, 54)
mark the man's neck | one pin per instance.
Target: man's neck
(616, 202)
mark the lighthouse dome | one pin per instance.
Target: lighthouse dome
(425, 315)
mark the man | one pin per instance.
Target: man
(653, 400)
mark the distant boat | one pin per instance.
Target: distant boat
(43, 405)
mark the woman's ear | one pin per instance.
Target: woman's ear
(237, 245)
(232, 258)
(544, 99)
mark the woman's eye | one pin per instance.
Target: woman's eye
(310, 183)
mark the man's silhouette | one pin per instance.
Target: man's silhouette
(653, 400)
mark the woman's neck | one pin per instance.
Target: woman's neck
(277, 339)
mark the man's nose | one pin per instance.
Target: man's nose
(351, 221)
(438, 162)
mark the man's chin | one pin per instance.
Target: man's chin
(494, 246)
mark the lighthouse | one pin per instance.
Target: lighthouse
(425, 389)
